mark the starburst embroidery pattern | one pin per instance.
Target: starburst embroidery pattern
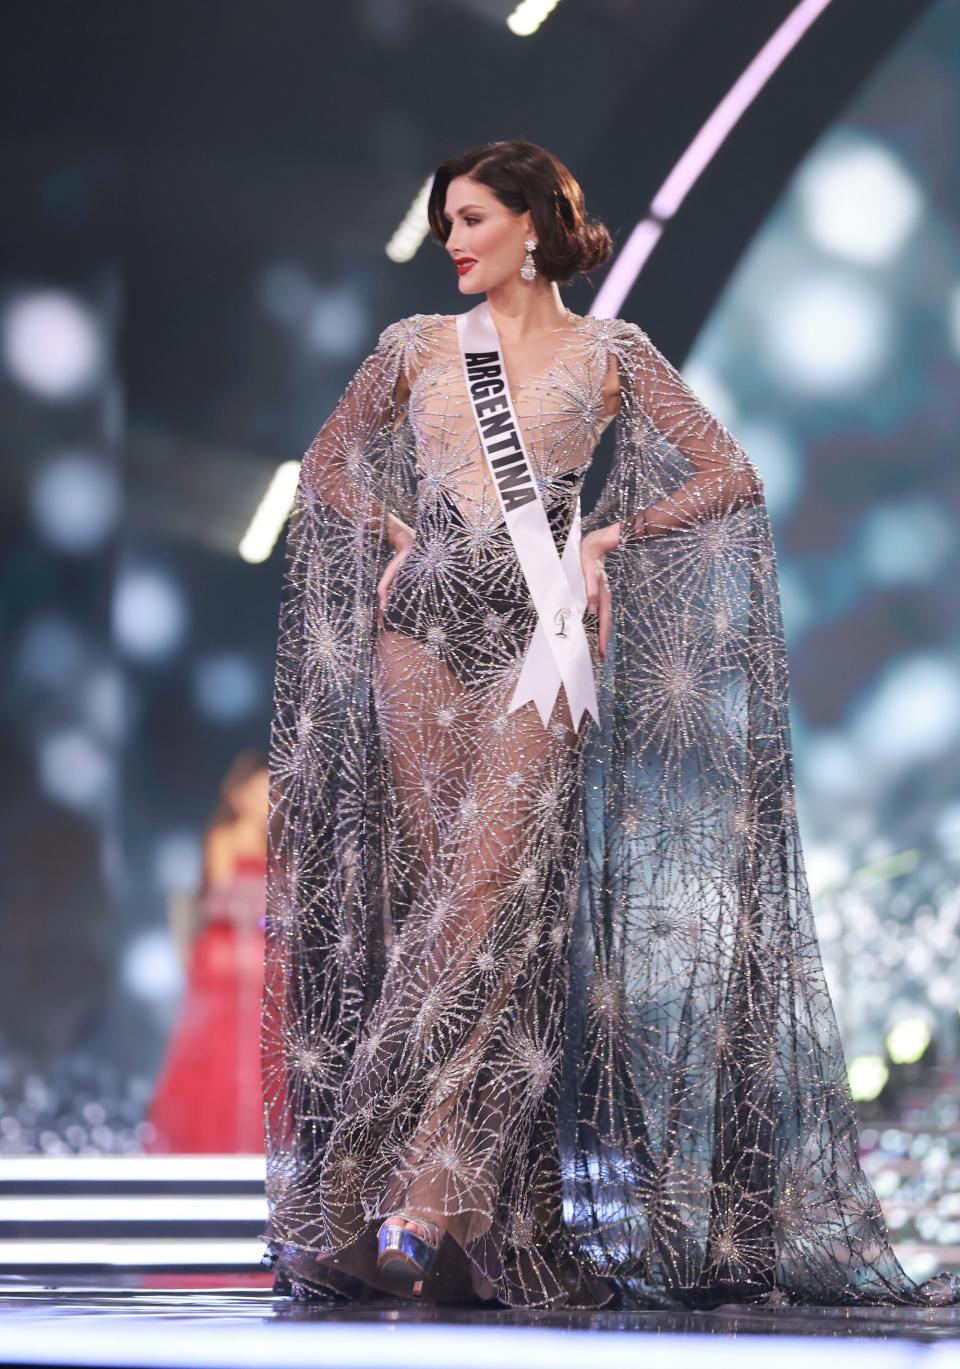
(560, 988)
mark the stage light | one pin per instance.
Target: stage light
(271, 513)
(826, 332)
(131, 1209)
(149, 614)
(75, 500)
(699, 153)
(137, 1169)
(52, 344)
(529, 15)
(858, 201)
(413, 228)
(120, 1253)
(907, 1040)
(867, 1075)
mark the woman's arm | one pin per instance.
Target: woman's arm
(335, 465)
(724, 478)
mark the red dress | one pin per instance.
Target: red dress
(208, 1097)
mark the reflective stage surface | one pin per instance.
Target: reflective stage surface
(63, 1322)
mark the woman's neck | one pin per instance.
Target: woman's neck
(523, 312)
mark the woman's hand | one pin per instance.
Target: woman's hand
(593, 548)
(401, 539)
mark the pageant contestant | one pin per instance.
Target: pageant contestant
(208, 1096)
(545, 1017)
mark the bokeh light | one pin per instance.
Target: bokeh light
(74, 769)
(149, 614)
(75, 499)
(827, 332)
(908, 1039)
(52, 344)
(859, 201)
(867, 1075)
(150, 968)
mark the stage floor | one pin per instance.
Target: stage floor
(53, 1322)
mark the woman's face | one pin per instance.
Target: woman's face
(486, 231)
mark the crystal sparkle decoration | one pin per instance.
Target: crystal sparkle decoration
(559, 989)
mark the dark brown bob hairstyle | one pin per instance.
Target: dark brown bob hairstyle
(525, 176)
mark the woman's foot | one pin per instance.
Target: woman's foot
(407, 1247)
(413, 1224)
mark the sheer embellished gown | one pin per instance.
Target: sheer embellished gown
(558, 989)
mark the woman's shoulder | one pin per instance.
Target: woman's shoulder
(614, 331)
(413, 328)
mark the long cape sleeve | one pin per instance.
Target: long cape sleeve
(325, 857)
(707, 1133)
(716, 1136)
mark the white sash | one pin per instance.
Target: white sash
(560, 652)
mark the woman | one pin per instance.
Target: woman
(208, 1098)
(545, 1018)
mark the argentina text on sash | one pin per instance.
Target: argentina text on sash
(559, 652)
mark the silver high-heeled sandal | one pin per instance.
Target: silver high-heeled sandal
(403, 1254)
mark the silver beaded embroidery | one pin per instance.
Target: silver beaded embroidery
(561, 989)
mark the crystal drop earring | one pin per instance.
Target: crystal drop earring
(528, 271)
